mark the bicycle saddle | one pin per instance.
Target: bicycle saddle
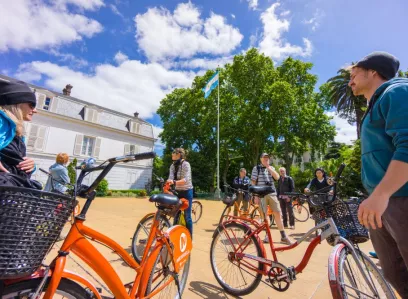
(261, 190)
(165, 199)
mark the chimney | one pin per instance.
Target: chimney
(136, 114)
(67, 90)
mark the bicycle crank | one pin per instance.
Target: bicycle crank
(279, 277)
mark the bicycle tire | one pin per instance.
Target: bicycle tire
(303, 211)
(256, 214)
(142, 233)
(196, 211)
(27, 288)
(345, 275)
(162, 256)
(221, 280)
(225, 213)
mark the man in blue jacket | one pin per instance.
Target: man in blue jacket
(384, 149)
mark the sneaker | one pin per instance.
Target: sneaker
(292, 227)
(266, 240)
(286, 240)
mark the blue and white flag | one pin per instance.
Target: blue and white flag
(213, 83)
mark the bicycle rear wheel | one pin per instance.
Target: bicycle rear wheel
(163, 273)
(237, 276)
(142, 234)
(196, 210)
(349, 280)
(300, 212)
(256, 214)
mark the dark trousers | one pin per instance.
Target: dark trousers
(286, 208)
(187, 194)
(391, 244)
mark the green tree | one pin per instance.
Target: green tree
(340, 95)
(334, 150)
(72, 171)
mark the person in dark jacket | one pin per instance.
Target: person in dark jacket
(242, 183)
(17, 104)
(286, 184)
(384, 162)
(320, 181)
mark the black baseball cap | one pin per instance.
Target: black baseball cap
(384, 63)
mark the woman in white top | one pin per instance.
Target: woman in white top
(180, 176)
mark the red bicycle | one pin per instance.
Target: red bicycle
(238, 257)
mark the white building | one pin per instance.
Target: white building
(81, 129)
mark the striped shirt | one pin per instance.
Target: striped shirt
(265, 178)
(184, 172)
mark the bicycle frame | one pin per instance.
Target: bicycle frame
(331, 230)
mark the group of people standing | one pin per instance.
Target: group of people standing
(280, 204)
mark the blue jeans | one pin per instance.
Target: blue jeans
(187, 194)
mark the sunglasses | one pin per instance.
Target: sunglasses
(32, 105)
(176, 152)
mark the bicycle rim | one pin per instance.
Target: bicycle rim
(142, 234)
(161, 275)
(352, 282)
(301, 213)
(196, 211)
(237, 277)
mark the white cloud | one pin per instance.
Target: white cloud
(202, 63)
(120, 57)
(233, 16)
(345, 132)
(34, 24)
(253, 4)
(158, 144)
(115, 10)
(131, 86)
(163, 35)
(84, 4)
(314, 22)
(285, 13)
(75, 62)
(272, 42)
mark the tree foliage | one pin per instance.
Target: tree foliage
(262, 108)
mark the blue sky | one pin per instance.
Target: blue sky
(127, 55)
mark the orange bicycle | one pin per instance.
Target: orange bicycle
(238, 257)
(163, 271)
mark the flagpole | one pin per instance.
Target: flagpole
(218, 142)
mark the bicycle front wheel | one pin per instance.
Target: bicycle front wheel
(238, 276)
(351, 282)
(26, 289)
(300, 212)
(142, 234)
(163, 276)
(196, 210)
(225, 214)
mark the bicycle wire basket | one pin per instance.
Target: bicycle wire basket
(30, 223)
(344, 214)
(229, 196)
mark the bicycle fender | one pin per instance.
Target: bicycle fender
(66, 274)
(179, 236)
(333, 269)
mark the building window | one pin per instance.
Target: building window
(134, 127)
(35, 138)
(87, 146)
(132, 149)
(47, 104)
(91, 115)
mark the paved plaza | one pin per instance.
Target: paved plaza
(118, 217)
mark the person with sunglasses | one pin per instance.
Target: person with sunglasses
(180, 176)
(17, 105)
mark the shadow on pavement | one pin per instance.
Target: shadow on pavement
(207, 290)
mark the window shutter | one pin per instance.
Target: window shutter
(40, 140)
(32, 137)
(127, 149)
(54, 104)
(78, 144)
(135, 127)
(97, 148)
(40, 100)
(95, 117)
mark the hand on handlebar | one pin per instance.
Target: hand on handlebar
(307, 190)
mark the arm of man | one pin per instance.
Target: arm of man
(394, 107)
(273, 172)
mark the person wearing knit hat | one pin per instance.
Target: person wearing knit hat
(17, 104)
(384, 162)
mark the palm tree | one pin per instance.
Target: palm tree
(341, 96)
